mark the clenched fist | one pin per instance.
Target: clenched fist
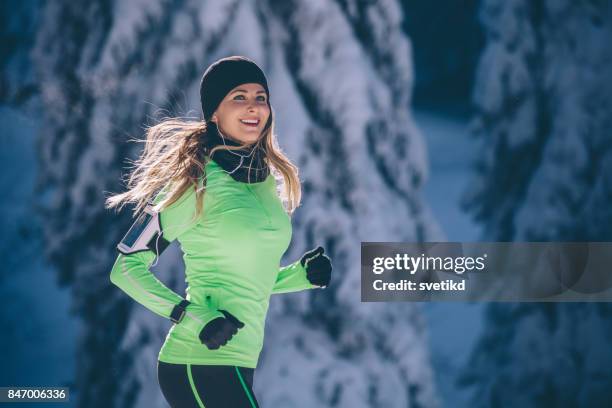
(318, 267)
(220, 330)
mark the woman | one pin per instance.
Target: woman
(210, 185)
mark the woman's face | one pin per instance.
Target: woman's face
(243, 113)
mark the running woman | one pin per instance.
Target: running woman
(211, 185)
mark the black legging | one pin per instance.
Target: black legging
(206, 386)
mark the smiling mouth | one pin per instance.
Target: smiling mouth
(250, 122)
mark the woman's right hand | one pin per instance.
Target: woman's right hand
(219, 331)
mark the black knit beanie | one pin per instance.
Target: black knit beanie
(224, 75)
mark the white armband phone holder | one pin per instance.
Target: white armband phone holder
(144, 234)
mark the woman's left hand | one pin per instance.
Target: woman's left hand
(318, 267)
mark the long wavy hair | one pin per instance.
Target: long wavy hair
(173, 159)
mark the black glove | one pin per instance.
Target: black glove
(219, 331)
(318, 267)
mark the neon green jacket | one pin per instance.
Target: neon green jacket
(232, 256)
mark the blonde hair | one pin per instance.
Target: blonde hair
(172, 160)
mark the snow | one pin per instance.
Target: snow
(453, 327)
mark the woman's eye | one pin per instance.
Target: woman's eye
(242, 98)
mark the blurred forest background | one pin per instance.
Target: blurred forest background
(459, 120)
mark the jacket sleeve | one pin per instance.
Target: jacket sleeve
(132, 275)
(292, 278)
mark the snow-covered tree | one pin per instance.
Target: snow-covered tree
(544, 100)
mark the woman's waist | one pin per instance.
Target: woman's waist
(245, 344)
(245, 302)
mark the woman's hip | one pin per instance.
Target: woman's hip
(209, 386)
